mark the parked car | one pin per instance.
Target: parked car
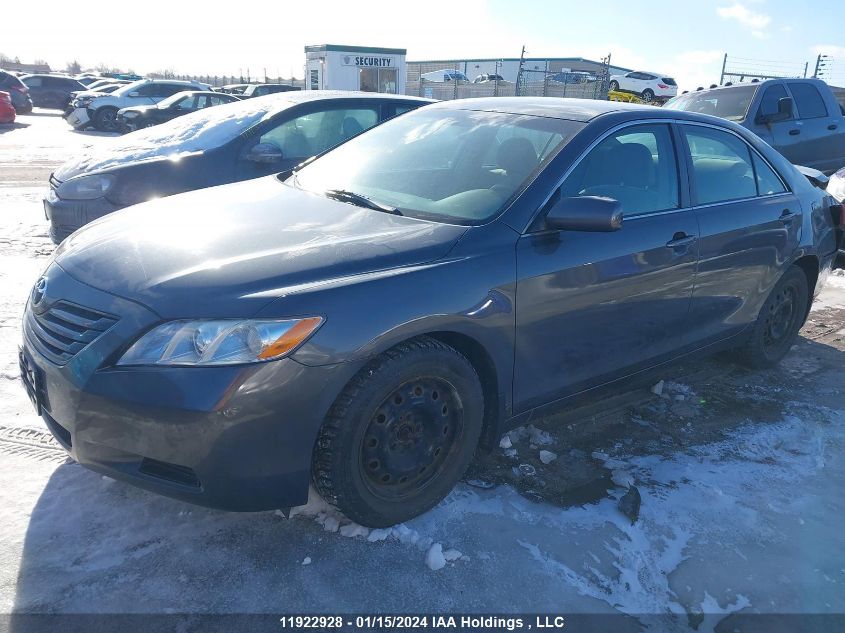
(100, 83)
(86, 79)
(101, 111)
(800, 118)
(227, 143)
(235, 89)
(366, 322)
(18, 92)
(7, 110)
(260, 90)
(487, 78)
(444, 75)
(76, 97)
(836, 188)
(138, 117)
(572, 77)
(51, 91)
(646, 85)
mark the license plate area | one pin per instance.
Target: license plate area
(33, 380)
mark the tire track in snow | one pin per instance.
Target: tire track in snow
(31, 443)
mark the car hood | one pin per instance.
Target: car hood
(228, 251)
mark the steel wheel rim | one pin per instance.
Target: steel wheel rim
(780, 318)
(410, 437)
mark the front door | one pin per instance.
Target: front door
(750, 224)
(593, 307)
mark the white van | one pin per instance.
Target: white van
(446, 74)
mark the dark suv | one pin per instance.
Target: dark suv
(51, 91)
(17, 90)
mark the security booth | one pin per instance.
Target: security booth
(366, 68)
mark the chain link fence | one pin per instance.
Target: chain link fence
(549, 82)
(225, 80)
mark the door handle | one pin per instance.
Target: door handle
(680, 239)
(794, 132)
(788, 216)
(832, 126)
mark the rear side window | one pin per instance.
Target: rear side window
(808, 100)
(769, 101)
(669, 81)
(636, 166)
(768, 183)
(721, 166)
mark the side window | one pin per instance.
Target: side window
(636, 166)
(311, 134)
(168, 90)
(33, 82)
(808, 101)
(769, 101)
(721, 165)
(147, 90)
(768, 183)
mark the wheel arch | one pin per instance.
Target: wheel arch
(809, 264)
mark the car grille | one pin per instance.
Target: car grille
(65, 329)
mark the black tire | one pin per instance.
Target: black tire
(401, 434)
(105, 119)
(648, 95)
(777, 325)
(614, 85)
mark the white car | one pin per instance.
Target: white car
(444, 75)
(100, 109)
(646, 85)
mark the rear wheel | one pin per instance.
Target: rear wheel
(777, 325)
(614, 85)
(401, 434)
(648, 95)
(105, 119)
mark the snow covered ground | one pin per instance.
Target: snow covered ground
(740, 475)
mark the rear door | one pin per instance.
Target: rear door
(749, 222)
(820, 140)
(594, 307)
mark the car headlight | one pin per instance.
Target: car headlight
(85, 187)
(129, 114)
(83, 101)
(219, 342)
(836, 186)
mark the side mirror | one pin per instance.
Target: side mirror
(585, 213)
(784, 113)
(264, 153)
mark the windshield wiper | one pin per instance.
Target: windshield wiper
(362, 201)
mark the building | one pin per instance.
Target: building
(534, 68)
(25, 68)
(367, 68)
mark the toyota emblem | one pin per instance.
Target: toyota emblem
(38, 291)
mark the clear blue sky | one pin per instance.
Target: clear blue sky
(678, 37)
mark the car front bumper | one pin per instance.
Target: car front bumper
(79, 118)
(235, 438)
(66, 216)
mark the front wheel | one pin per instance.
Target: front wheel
(401, 434)
(106, 119)
(777, 325)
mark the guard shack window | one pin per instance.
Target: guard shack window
(377, 80)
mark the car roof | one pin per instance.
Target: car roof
(582, 110)
(303, 96)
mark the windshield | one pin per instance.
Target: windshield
(726, 103)
(454, 166)
(166, 103)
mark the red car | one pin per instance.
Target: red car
(7, 112)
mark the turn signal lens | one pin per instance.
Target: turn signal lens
(290, 339)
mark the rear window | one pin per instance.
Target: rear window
(809, 100)
(669, 81)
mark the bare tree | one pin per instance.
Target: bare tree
(74, 67)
